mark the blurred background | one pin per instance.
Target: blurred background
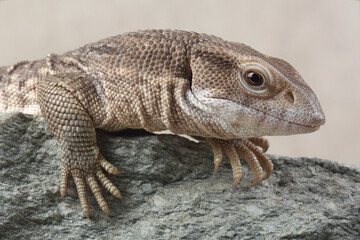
(321, 39)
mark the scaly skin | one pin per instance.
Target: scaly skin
(185, 82)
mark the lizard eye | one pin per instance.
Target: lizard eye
(253, 78)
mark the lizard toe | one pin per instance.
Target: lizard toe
(108, 166)
(81, 189)
(251, 149)
(261, 157)
(260, 142)
(218, 153)
(230, 152)
(64, 182)
(251, 160)
(227, 147)
(95, 189)
(108, 184)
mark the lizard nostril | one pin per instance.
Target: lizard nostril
(290, 96)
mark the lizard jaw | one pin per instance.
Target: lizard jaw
(288, 127)
(243, 121)
(314, 125)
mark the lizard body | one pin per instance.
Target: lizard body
(185, 82)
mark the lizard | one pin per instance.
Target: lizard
(223, 92)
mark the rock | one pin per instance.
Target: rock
(169, 192)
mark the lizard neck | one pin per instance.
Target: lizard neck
(166, 105)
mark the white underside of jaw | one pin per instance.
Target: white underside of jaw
(239, 120)
(232, 118)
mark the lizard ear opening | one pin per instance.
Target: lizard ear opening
(189, 74)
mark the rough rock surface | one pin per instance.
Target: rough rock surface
(169, 192)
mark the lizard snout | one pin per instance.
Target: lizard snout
(317, 119)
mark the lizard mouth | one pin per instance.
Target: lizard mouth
(312, 127)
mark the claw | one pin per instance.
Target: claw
(217, 163)
(236, 182)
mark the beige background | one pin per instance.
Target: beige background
(320, 38)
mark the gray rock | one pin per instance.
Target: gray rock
(169, 192)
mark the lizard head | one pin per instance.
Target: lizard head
(252, 94)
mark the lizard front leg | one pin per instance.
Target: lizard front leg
(251, 149)
(65, 105)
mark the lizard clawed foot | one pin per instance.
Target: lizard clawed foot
(251, 149)
(91, 179)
